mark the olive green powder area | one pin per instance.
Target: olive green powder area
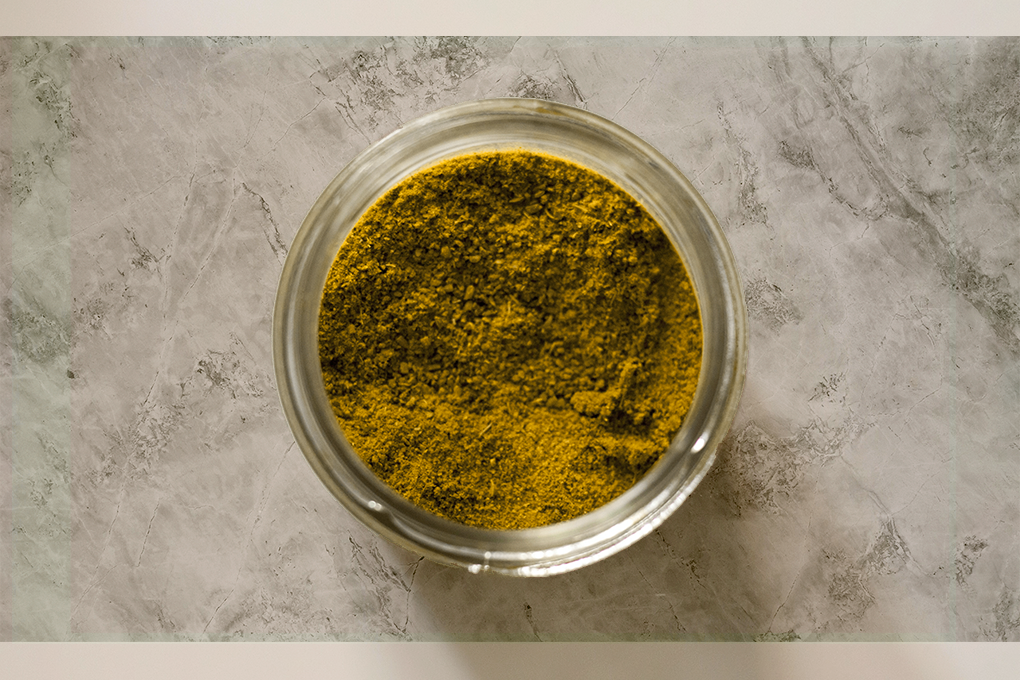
(509, 340)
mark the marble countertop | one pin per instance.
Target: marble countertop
(151, 489)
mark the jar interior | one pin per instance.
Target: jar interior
(589, 141)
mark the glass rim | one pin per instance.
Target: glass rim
(541, 550)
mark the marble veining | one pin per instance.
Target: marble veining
(150, 488)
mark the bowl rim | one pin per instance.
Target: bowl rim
(480, 549)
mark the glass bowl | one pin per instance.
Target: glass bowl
(590, 141)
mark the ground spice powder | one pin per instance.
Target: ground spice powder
(509, 339)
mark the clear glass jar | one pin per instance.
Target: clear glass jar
(595, 143)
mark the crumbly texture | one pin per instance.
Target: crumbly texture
(509, 339)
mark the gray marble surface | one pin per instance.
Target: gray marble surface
(150, 488)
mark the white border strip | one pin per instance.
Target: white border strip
(503, 661)
(504, 17)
